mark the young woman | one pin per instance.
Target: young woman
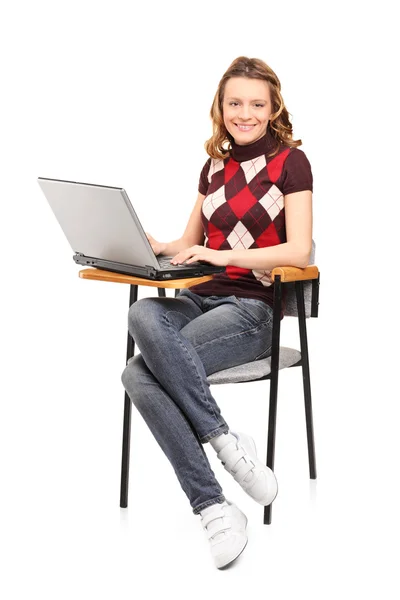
(253, 213)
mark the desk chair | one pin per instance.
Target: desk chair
(301, 301)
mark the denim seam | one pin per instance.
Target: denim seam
(218, 500)
(189, 298)
(207, 403)
(232, 335)
(264, 351)
(200, 453)
(214, 433)
(266, 321)
(250, 301)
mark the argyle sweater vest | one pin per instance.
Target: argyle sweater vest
(244, 208)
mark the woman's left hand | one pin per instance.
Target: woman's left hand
(194, 253)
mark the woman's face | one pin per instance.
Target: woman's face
(246, 109)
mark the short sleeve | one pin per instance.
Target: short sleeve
(203, 182)
(297, 175)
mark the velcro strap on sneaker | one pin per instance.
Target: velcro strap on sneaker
(230, 457)
(242, 472)
(215, 514)
(216, 530)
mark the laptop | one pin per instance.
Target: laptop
(104, 231)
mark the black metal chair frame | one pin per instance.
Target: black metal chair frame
(273, 376)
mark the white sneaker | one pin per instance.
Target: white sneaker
(225, 527)
(257, 480)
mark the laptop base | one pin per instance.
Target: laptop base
(147, 272)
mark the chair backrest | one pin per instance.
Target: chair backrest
(291, 302)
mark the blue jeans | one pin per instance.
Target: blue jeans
(182, 340)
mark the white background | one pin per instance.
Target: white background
(118, 93)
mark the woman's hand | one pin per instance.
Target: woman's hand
(158, 247)
(194, 253)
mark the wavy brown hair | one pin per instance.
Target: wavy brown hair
(279, 124)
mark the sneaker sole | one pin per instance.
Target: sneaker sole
(233, 559)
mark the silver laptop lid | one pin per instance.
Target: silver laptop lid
(99, 221)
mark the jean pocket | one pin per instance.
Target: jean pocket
(259, 309)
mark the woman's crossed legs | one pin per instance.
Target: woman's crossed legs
(182, 340)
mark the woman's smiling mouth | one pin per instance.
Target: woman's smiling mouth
(244, 127)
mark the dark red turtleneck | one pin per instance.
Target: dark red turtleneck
(244, 208)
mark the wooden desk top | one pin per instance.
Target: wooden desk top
(100, 275)
(286, 274)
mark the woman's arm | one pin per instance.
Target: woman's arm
(294, 252)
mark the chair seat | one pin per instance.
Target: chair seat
(255, 369)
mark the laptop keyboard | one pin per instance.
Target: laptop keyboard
(166, 264)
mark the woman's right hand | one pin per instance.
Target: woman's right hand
(158, 247)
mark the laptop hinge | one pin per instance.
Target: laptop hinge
(151, 271)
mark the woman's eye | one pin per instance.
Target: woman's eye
(257, 105)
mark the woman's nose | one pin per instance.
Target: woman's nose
(244, 112)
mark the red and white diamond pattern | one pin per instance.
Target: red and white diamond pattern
(215, 166)
(273, 201)
(264, 277)
(252, 215)
(240, 238)
(251, 168)
(213, 201)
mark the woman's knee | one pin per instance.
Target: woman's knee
(126, 377)
(133, 376)
(140, 314)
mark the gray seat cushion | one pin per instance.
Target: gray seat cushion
(256, 369)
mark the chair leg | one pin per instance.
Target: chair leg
(273, 393)
(273, 397)
(306, 379)
(126, 433)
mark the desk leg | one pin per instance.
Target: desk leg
(126, 434)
